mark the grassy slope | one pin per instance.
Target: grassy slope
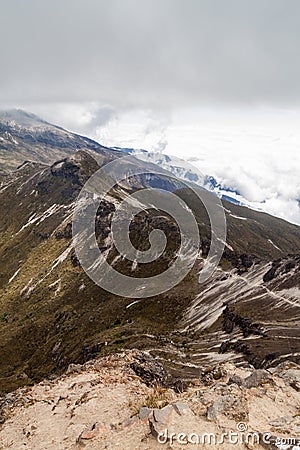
(44, 329)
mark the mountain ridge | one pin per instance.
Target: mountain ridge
(60, 316)
(24, 136)
(67, 318)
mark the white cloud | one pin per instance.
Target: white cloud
(254, 151)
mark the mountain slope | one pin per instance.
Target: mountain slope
(59, 315)
(24, 136)
(52, 314)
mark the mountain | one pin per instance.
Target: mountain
(188, 173)
(52, 314)
(24, 136)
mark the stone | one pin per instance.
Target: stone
(149, 370)
(171, 418)
(129, 422)
(74, 368)
(257, 378)
(281, 421)
(235, 379)
(217, 408)
(210, 374)
(229, 405)
(161, 419)
(182, 409)
(89, 434)
(289, 372)
(144, 412)
(180, 386)
(292, 375)
(163, 414)
(94, 431)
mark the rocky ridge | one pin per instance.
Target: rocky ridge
(104, 404)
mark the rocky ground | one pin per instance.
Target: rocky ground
(124, 401)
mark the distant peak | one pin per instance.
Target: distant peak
(21, 118)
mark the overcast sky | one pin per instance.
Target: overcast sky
(180, 76)
(150, 52)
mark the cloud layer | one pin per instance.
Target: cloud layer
(150, 53)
